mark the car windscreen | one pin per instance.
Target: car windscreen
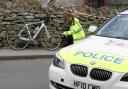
(117, 27)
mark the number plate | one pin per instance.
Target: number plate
(81, 85)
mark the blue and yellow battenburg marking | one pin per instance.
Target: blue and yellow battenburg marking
(103, 60)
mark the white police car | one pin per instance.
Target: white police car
(97, 62)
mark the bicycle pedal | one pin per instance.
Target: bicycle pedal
(32, 43)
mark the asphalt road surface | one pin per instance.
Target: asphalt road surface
(24, 74)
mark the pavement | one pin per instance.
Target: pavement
(10, 54)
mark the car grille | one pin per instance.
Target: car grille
(96, 74)
(100, 74)
(79, 70)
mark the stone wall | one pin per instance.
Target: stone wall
(11, 18)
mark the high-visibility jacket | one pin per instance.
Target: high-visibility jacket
(75, 30)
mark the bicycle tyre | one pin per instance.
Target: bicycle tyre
(13, 41)
(50, 44)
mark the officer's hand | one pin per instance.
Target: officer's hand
(62, 35)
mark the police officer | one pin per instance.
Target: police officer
(75, 32)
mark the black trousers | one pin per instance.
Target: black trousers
(70, 39)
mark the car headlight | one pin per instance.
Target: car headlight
(125, 78)
(58, 62)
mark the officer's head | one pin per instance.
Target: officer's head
(69, 18)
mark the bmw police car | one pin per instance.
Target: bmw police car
(98, 62)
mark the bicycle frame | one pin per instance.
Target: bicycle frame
(30, 37)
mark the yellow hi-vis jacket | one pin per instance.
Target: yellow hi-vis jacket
(75, 30)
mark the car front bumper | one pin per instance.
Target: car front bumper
(64, 79)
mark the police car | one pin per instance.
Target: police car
(98, 62)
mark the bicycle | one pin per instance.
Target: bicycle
(19, 39)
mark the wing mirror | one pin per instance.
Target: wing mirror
(92, 29)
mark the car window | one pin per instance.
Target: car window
(117, 27)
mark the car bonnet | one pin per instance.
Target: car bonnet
(99, 55)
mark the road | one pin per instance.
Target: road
(24, 74)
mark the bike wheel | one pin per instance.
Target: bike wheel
(50, 43)
(13, 38)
